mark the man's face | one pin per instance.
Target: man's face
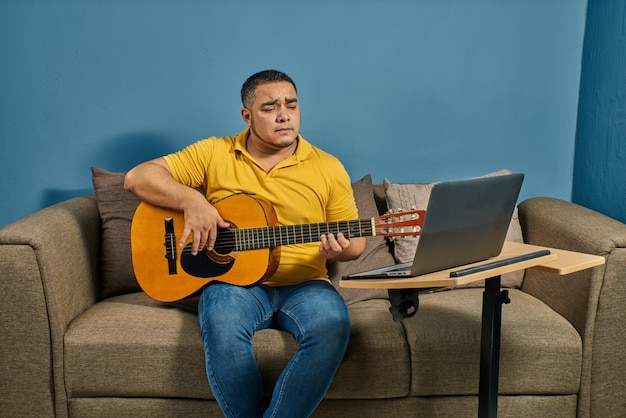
(274, 116)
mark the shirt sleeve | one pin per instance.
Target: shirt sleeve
(189, 166)
(341, 205)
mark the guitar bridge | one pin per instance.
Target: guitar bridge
(170, 245)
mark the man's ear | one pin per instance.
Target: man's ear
(247, 116)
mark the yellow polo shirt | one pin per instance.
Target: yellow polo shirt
(310, 186)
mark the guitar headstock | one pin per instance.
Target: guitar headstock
(401, 224)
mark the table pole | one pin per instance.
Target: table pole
(493, 299)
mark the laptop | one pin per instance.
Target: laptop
(466, 221)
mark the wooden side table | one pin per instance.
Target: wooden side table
(557, 261)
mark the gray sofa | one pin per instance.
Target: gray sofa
(66, 350)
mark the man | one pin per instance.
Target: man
(272, 161)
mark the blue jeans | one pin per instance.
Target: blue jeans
(313, 312)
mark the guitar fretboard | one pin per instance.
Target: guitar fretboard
(274, 236)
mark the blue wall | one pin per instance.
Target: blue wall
(600, 159)
(414, 90)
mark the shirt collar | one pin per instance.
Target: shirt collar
(304, 150)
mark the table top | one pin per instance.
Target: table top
(558, 261)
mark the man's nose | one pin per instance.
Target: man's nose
(282, 115)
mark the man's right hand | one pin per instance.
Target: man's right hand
(202, 222)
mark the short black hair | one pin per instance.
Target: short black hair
(262, 77)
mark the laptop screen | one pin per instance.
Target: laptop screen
(466, 221)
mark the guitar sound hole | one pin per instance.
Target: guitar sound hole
(214, 263)
(225, 242)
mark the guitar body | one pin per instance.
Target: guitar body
(246, 253)
(167, 272)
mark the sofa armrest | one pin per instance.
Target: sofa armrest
(48, 276)
(592, 300)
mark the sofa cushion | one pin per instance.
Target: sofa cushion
(541, 352)
(133, 346)
(117, 207)
(404, 196)
(376, 253)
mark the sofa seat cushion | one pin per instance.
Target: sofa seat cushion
(541, 352)
(133, 346)
(377, 364)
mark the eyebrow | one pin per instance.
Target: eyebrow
(273, 102)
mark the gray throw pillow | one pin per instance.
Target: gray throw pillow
(117, 207)
(375, 255)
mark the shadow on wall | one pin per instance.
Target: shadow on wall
(117, 154)
(125, 152)
(52, 196)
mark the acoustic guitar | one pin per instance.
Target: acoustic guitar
(246, 253)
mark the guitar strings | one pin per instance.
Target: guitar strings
(278, 235)
(251, 244)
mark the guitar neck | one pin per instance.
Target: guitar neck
(274, 236)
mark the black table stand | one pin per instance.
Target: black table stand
(404, 304)
(493, 299)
